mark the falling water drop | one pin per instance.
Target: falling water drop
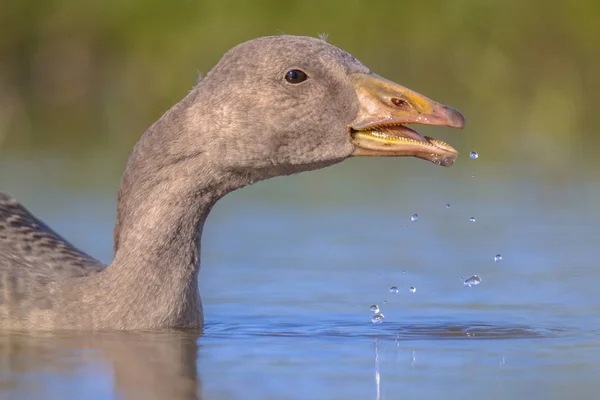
(472, 219)
(498, 258)
(414, 217)
(474, 155)
(472, 281)
(394, 289)
(374, 308)
(378, 318)
(412, 289)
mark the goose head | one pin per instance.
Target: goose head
(286, 104)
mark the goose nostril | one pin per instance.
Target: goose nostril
(399, 102)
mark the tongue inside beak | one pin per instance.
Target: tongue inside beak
(401, 141)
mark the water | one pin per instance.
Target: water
(498, 258)
(474, 155)
(287, 282)
(374, 308)
(414, 217)
(412, 289)
(472, 219)
(472, 281)
(394, 289)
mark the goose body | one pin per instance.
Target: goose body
(272, 106)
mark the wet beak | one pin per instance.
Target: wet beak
(386, 108)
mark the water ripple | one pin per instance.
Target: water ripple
(393, 331)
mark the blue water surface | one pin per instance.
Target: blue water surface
(291, 266)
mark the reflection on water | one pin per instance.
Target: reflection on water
(377, 376)
(275, 359)
(99, 365)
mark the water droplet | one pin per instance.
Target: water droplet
(378, 318)
(374, 308)
(412, 289)
(474, 155)
(385, 302)
(498, 258)
(472, 281)
(447, 162)
(415, 217)
(403, 271)
(447, 205)
(394, 289)
(472, 219)
(473, 176)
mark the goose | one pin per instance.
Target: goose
(272, 106)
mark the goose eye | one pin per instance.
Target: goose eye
(295, 76)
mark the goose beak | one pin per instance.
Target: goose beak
(386, 108)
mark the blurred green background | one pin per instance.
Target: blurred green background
(81, 81)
